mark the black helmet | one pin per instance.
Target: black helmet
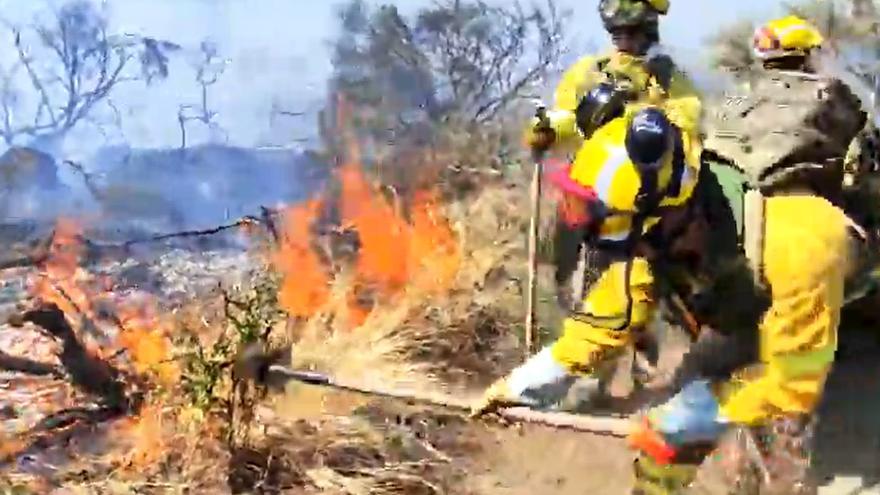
(648, 138)
(602, 104)
(617, 14)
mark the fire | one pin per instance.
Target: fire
(305, 288)
(133, 323)
(62, 279)
(145, 336)
(382, 261)
(145, 435)
(396, 252)
(434, 253)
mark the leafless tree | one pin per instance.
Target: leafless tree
(68, 65)
(209, 67)
(485, 57)
(455, 60)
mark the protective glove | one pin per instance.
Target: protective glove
(540, 136)
(691, 416)
(496, 396)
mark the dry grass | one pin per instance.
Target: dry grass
(418, 336)
(316, 441)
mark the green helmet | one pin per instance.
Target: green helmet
(618, 14)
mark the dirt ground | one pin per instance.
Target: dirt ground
(534, 459)
(538, 460)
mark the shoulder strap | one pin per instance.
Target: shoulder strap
(661, 68)
(753, 231)
(747, 206)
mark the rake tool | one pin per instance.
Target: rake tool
(261, 367)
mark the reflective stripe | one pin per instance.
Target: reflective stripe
(619, 236)
(805, 363)
(539, 370)
(617, 156)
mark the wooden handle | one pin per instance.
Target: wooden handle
(531, 295)
(611, 426)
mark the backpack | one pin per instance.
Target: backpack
(780, 128)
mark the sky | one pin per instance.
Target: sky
(279, 57)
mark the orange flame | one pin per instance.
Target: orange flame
(434, 253)
(382, 260)
(138, 323)
(145, 335)
(145, 436)
(63, 281)
(394, 253)
(304, 289)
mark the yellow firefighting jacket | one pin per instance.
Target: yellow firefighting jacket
(665, 84)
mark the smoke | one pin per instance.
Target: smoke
(709, 82)
(133, 171)
(855, 66)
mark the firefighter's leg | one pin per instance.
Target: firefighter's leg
(652, 478)
(770, 460)
(618, 304)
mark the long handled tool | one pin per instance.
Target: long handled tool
(253, 364)
(534, 223)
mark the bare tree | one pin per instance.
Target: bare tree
(66, 67)
(209, 67)
(484, 57)
(456, 60)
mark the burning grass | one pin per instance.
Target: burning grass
(424, 297)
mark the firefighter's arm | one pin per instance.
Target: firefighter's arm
(684, 106)
(575, 83)
(583, 344)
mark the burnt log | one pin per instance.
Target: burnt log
(88, 373)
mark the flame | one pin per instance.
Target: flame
(145, 335)
(145, 437)
(305, 287)
(133, 323)
(383, 234)
(62, 280)
(434, 253)
(394, 253)
(140, 330)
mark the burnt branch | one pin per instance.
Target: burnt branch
(248, 220)
(88, 373)
(59, 427)
(95, 250)
(30, 367)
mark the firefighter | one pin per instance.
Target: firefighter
(766, 385)
(635, 72)
(746, 234)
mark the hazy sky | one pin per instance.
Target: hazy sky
(278, 51)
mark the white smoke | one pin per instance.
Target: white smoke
(858, 69)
